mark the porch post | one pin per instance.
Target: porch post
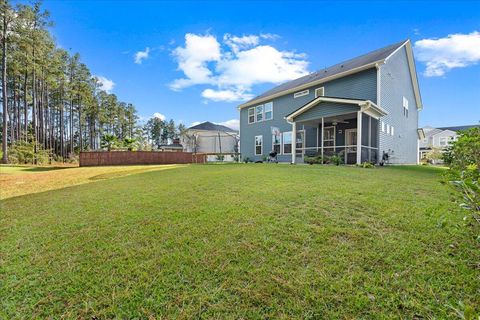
(294, 141)
(323, 125)
(359, 137)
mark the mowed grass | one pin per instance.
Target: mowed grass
(18, 180)
(240, 241)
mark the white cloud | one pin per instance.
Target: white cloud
(159, 116)
(232, 124)
(454, 51)
(193, 58)
(105, 84)
(226, 95)
(141, 55)
(233, 68)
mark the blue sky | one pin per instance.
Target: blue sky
(231, 46)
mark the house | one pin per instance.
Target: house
(213, 139)
(439, 138)
(175, 146)
(360, 109)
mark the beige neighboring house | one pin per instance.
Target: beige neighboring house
(438, 138)
(213, 139)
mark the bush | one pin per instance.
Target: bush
(220, 157)
(366, 165)
(313, 160)
(24, 153)
(336, 160)
(463, 158)
(247, 160)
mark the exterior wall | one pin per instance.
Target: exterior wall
(396, 83)
(362, 85)
(326, 109)
(450, 135)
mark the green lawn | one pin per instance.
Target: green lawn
(240, 241)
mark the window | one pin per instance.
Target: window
(259, 113)
(443, 141)
(383, 126)
(405, 107)
(329, 137)
(319, 92)
(258, 145)
(388, 129)
(276, 142)
(301, 93)
(287, 142)
(268, 108)
(391, 130)
(251, 115)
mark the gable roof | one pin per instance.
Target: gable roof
(208, 126)
(360, 63)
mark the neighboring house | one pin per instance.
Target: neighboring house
(174, 146)
(439, 138)
(360, 108)
(211, 138)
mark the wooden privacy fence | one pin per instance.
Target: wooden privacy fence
(113, 158)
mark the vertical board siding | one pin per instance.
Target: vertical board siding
(396, 83)
(112, 158)
(362, 85)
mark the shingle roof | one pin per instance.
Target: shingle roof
(211, 127)
(351, 64)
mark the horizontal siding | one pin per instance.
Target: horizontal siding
(395, 84)
(362, 85)
(327, 109)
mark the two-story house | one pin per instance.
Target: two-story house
(360, 109)
(439, 138)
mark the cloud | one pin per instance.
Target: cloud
(159, 116)
(232, 124)
(105, 84)
(233, 67)
(226, 95)
(141, 55)
(443, 54)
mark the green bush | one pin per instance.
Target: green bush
(220, 157)
(313, 160)
(24, 153)
(336, 160)
(366, 165)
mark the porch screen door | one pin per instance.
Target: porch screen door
(351, 146)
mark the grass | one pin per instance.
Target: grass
(238, 241)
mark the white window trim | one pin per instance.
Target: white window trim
(388, 129)
(254, 115)
(301, 93)
(391, 131)
(265, 119)
(255, 146)
(323, 92)
(383, 126)
(281, 144)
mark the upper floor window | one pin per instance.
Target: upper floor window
(405, 107)
(319, 92)
(251, 115)
(443, 141)
(383, 126)
(260, 113)
(268, 109)
(301, 93)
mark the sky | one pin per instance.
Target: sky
(197, 61)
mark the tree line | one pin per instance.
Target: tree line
(49, 97)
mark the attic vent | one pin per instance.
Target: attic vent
(301, 93)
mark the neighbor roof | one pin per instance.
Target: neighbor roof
(208, 126)
(459, 128)
(353, 65)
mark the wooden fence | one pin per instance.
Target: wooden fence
(114, 158)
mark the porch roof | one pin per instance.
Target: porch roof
(366, 106)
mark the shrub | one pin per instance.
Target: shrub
(463, 158)
(336, 160)
(24, 153)
(366, 165)
(313, 160)
(247, 160)
(220, 157)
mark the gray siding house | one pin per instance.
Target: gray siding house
(360, 109)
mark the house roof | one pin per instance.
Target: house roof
(357, 64)
(208, 126)
(367, 104)
(459, 128)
